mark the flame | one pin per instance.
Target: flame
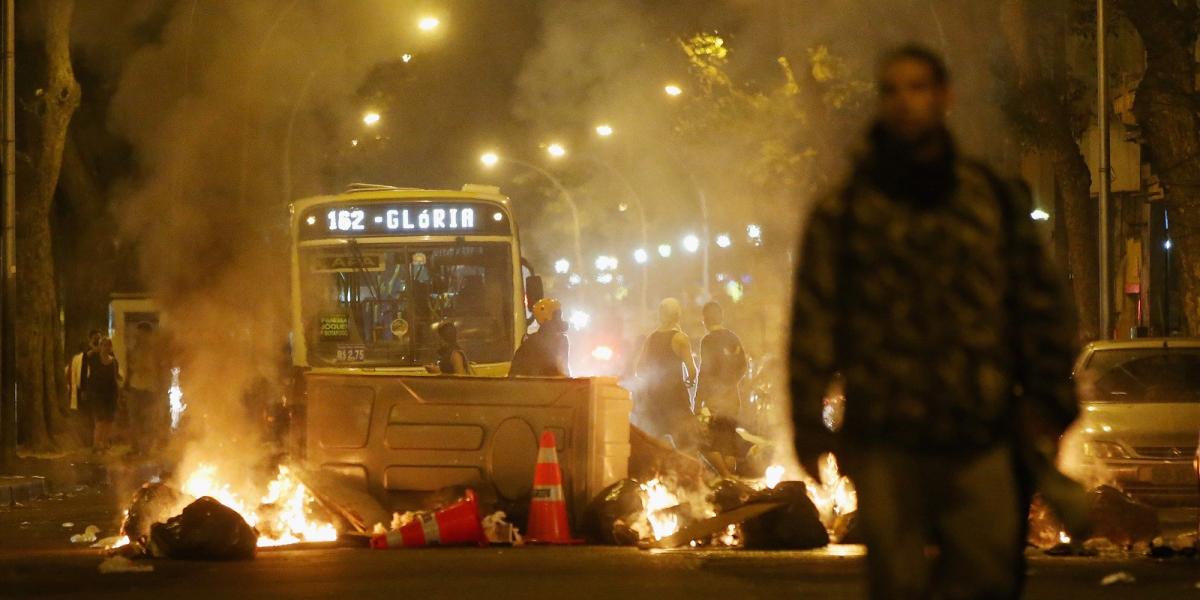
(282, 516)
(657, 500)
(175, 395)
(1064, 538)
(773, 476)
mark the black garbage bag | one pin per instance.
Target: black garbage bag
(794, 526)
(608, 516)
(729, 494)
(1120, 518)
(205, 530)
(152, 503)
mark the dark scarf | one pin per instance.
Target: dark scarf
(892, 166)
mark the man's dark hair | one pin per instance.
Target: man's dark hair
(448, 332)
(713, 313)
(921, 54)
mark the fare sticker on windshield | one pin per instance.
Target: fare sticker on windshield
(348, 263)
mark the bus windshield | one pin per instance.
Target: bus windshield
(374, 305)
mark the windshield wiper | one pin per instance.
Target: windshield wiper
(361, 269)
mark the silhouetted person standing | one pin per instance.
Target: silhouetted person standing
(666, 370)
(924, 283)
(545, 352)
(722, 366)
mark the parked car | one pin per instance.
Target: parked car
(1139, 419)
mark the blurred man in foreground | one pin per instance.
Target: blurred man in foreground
(924, 284)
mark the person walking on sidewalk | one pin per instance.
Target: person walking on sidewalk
(101, 389)
(923, 282)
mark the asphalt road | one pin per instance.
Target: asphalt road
(37, 560)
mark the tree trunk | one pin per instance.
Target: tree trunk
(1167, 108)
(39, 352)
(1036, 32)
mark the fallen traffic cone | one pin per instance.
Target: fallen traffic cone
(457, 524)
(548, 508)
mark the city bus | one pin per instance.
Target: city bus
(376, 269)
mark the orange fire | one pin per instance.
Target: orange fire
(282, 516)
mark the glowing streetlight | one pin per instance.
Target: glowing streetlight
(640, 256)
(664, 250)
(1039, 215)
(562, 266)
(753, 231)
(603, 353)
(489, 159)
(428, 23)
(1167, 245)
(575, 279)
(406, 57)
(556, 150)
(724, 240)
(604, 130)
(606, 263)
(691, 243)
(579, 320)
(672, 90)
(370, 118)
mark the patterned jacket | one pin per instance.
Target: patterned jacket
(940, 315)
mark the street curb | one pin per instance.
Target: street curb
(21, 489)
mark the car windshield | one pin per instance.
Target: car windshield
(375, 304)
(1143, 375)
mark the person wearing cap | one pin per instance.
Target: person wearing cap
(545, 352)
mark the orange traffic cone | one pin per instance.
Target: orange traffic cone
(548, 508)
(457, 524)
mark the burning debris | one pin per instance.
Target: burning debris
(206, 518)
(206, 529)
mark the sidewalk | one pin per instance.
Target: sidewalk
(21, 488)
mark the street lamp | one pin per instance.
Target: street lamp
(664, 250)
(672, 90)
(428, 23)
(691, 243)
(491, 159)
(640, 256)
(562, 266)
(556, 150)
(604, 130)
(370, 118)
(724, 241)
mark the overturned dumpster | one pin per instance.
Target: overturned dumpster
(404, 438)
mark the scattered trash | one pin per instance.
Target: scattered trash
(25, 524)
(152, 503)
(608, 516)
(794, 526)
(498, 530)
(88, 536)
(121, 564)
(1104, 548)
(1118, 577)
(206, 529)
(68, 525)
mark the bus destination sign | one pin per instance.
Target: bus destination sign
(408, 218)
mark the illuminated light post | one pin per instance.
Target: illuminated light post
(371, 118)
(556, 150)
(1039, 215)
(640, 256)
(428, 23)
(491, 159)
(604, 130)
(724, 241)
(664, 250)
(562, 266)
(672, 90)
(691, 243)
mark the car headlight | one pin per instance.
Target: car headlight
(1104, 450)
